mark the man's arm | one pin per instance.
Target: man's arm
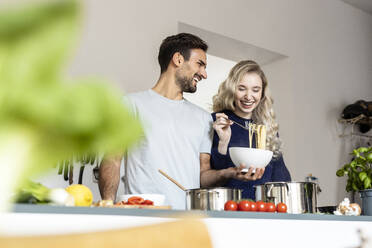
(212, 178)
(109, 177)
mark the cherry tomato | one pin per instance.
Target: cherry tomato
(244, 205)
(148, 202)
(261, 206)
(135, 200)
(270, 207)
(231, 206)
(281, 207)
(253, 207)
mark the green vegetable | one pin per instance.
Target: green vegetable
(32, 192)
(359, 170)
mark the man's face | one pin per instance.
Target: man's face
(192, 71)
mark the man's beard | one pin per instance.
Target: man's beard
(185, 83)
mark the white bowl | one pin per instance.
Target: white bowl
(158, 199)
(250, 157)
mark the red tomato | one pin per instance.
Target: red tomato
(231, 206)
(270, 207)
(135, 200)
(261, 206)
(244, 205)
(281, 207)
(253, 207)
(148, 202)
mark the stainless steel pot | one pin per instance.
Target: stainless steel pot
(210, 198)
(300, 197)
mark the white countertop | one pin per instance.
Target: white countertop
(226, 228)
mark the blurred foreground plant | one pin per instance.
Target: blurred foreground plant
(45, 118)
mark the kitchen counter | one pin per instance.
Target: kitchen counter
(29, 208)
(226, 229)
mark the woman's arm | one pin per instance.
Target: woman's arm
(221, 125)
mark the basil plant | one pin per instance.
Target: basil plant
(358, 171)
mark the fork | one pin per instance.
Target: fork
(240, 125)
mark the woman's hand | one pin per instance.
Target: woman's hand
(223, 130)
(236, 173)
(252, 174)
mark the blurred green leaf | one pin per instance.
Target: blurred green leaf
(362, 149)
(362, 176)
(369, 157)
(361, 159)
(353, 163)
(340, 173)
(367, 183)
(53, 118)
(34, 42)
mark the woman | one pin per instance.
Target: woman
(243, 98)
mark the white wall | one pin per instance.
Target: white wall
(329, 45)
(218, 68)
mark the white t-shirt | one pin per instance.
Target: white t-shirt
(175, 133)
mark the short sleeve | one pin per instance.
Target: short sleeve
(206, 143)
(128, 102)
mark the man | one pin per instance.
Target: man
(177, 133)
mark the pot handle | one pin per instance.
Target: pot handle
(288, 189)
(318, 189)
(269, 191)
(198, 194)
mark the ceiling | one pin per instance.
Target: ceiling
(365, 5)
(228, 48)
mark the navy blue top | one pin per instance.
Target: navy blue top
(275, 171)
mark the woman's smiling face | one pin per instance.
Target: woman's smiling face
(248, 95)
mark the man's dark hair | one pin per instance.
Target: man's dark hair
(182, 43)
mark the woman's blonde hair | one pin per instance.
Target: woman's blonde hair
(263, 114)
